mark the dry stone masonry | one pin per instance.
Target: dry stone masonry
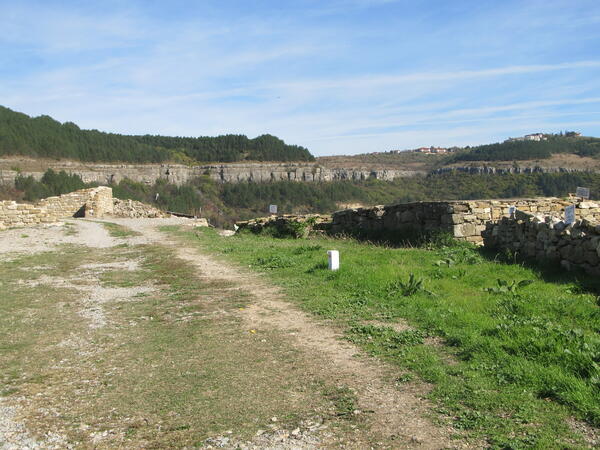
(288, 224)
(135, 209)
(94, 202)
(548, 238)
(465, 220)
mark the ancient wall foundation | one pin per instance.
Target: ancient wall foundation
(465, 220)
(548, 238)
(288, 224)
(95, 202)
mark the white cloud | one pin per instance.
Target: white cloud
(129, 72)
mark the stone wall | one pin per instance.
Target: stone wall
(288, 224)
(134, 209)
(95, 202)
(548, 238)
(465, 220)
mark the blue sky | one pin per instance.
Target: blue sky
(339, 77)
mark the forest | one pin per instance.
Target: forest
(44, 137)
(526, 150)
(223, 204)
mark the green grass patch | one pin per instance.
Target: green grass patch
(119, 231)
(525, 355)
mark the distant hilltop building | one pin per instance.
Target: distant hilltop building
(433, 150)
(543, 137)
(529, 137)
(426, 150)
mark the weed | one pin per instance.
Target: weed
(445, 262)
(405, 378)
(274, 262)
(384, 341)
(322, 265)
(406, 289)
(294, 229)
(436, 274)
(459, 274)
(306, 249)
(504, 287)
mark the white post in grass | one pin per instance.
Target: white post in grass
(334, 259)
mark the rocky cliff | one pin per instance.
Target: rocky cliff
(179, 174)
(490, 170)
(243, 172)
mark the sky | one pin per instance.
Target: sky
(338, 77)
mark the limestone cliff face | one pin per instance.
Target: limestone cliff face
(224, 173)
(237, 172)
(484, 169)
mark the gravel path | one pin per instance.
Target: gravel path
(27, 241)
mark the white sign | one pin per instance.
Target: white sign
(273, 209)
(582, 192)
(511, 211)
(570, 214)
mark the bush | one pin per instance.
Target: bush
(52, 183)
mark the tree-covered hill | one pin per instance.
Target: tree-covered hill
(528, 150)
(45, 137)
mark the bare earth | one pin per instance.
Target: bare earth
(395, 414)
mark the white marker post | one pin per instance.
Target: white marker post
(334, 259)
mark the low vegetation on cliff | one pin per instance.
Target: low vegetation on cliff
(44, 137)
(512, 352)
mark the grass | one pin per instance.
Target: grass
(170, 369)
(515, 364)
(119, 231)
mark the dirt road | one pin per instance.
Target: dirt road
(391, 416)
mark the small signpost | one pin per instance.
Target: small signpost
(582, 192)
(272, 209)
(511, 211)
(570, 214)
(334, 259)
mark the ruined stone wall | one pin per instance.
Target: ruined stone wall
(135, 209)
(95, 202)
(465, 220)
(288, 224)
(548, 238)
